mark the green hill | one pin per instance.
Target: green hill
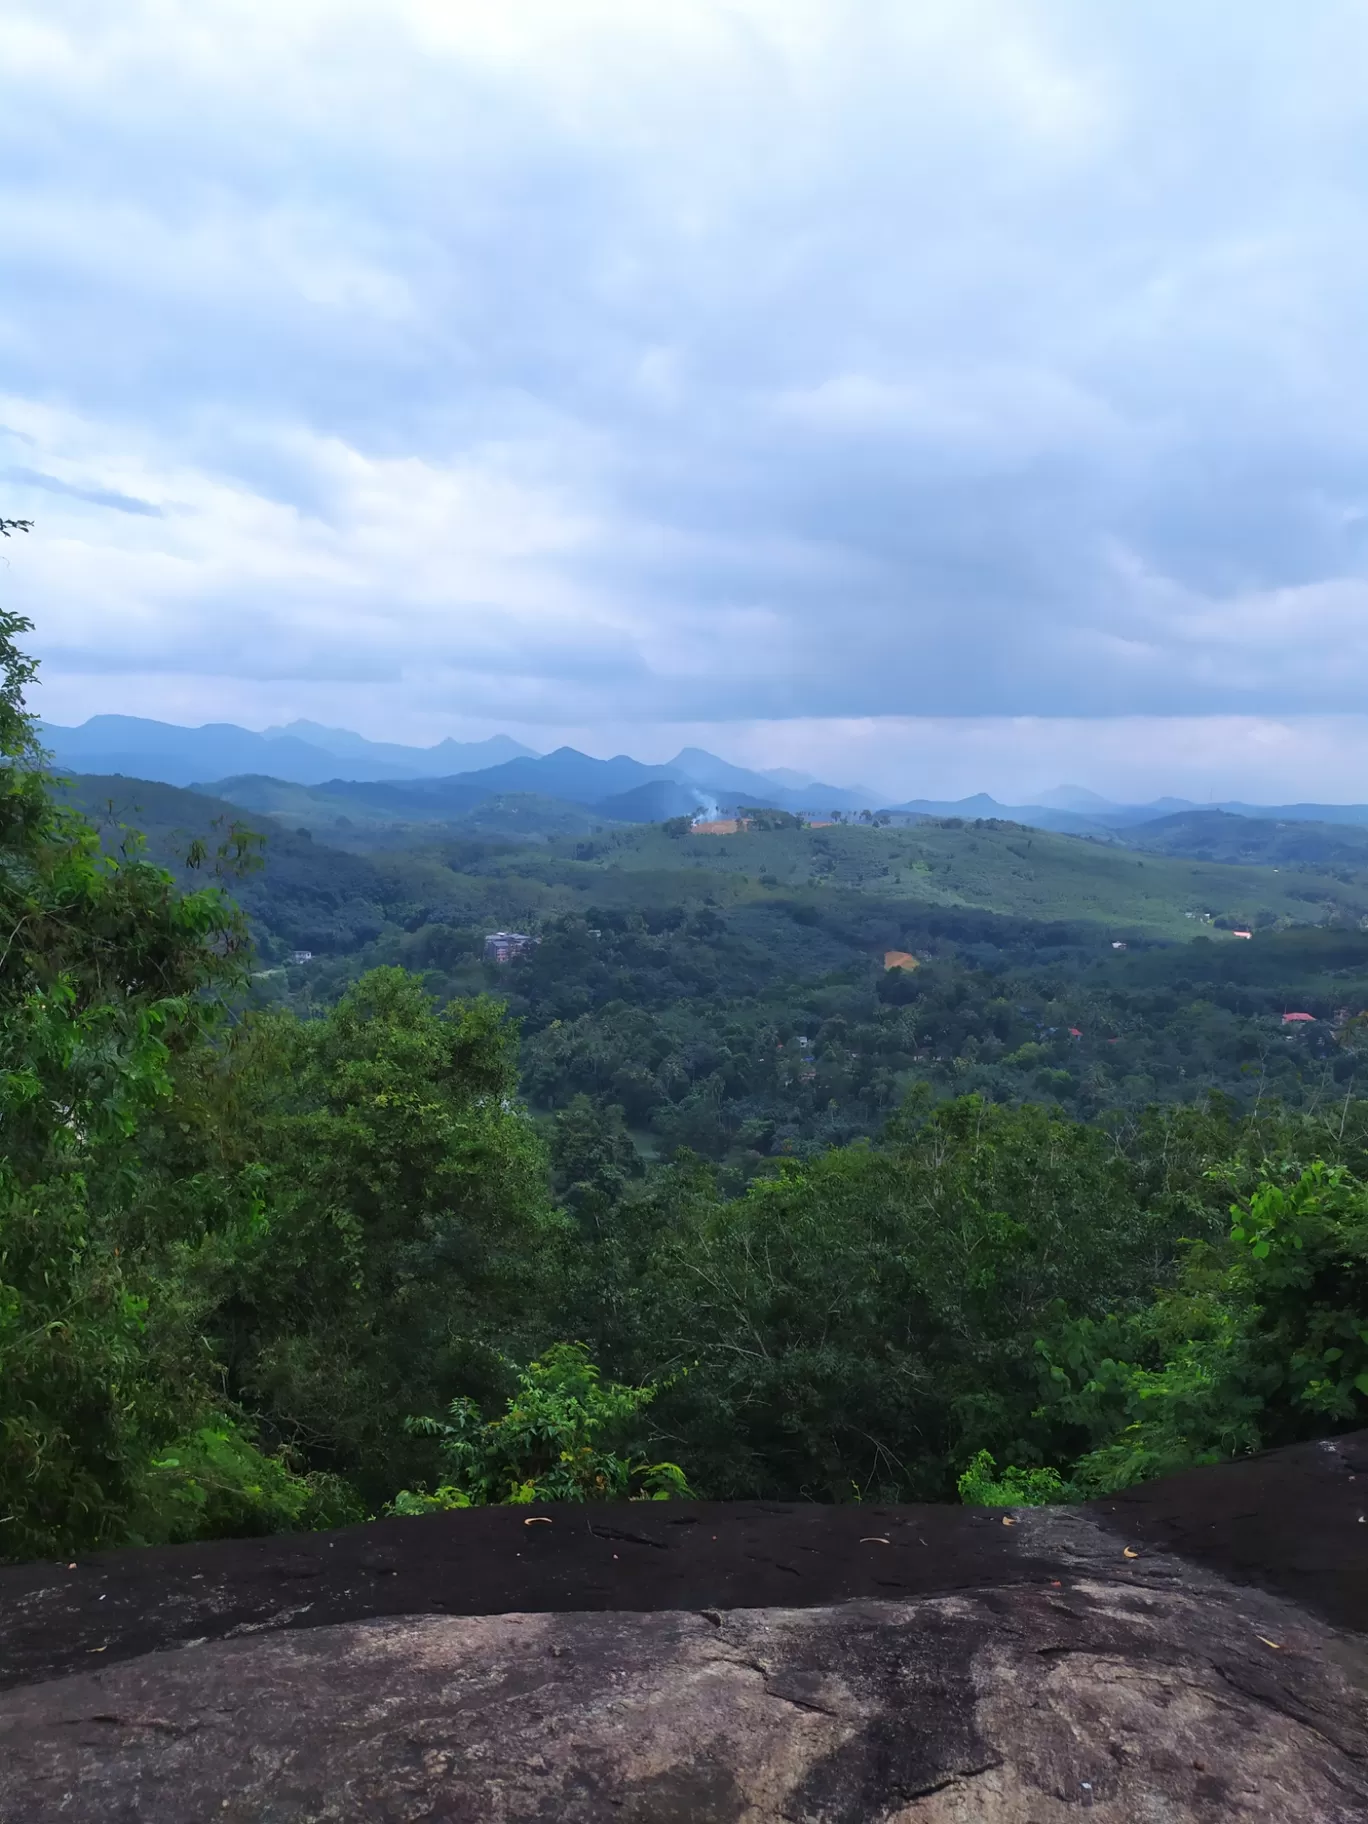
(728, 992)
(1264, 841)
(303, 895)
(1008, 869)
(522, 857)
(370, 816)
(338, 807)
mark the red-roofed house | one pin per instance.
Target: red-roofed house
(1288, 1018)
(1074, 1033)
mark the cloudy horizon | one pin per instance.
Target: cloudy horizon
(950, 397)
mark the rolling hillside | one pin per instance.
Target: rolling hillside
(730, 992)
(345, 805)
(1215, 835)
(1005, 868)
(559, 855)
(303, 895)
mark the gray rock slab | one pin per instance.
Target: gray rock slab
(1035, 1704)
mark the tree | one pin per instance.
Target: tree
(1262, 1341)
(765, 817)
(871, 1315)
(109, 977)
(405, 1234)
(593, 1160)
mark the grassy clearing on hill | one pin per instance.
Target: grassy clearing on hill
(1002, 868)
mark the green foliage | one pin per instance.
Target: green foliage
(668, 969)
(1263, 1340)
(565, 1435)
(803, 1209)
(593, 1160)
(872, 1314)
(300, 894)
(761, 817)
(983, 1484)
(1301, 1251)
(216, 1481)
(109, 977)
(405, 1230)
(212, 1231)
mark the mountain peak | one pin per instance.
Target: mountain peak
(1074, 798)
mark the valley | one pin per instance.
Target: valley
(727, 993)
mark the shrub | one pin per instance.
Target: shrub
(984, 1485)
(554, 1442)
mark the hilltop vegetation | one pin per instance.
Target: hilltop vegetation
(298, 895)
(1004, 868)
(1263, 841)
(988, 865)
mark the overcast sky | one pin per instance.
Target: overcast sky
(949, 394)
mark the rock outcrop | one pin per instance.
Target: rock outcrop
(1193, 1651)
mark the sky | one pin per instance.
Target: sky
(951, 395)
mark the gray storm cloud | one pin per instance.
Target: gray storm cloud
(699, 364)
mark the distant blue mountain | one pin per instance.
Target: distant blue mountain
(784, 791)
(1073, 798)
(652, 803)
(622, 790)
(402, 800)
(310, 753)
(698, 767)
(304, 754)
(444, 760)
(568, 774)
(454, 775)
(1112, 820)
(1038, 816)
(616, 786)
(1294, 813)
(635, 793)
(143, 749)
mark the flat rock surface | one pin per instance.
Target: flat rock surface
(1289, 1522)
(1192, 1651)
(1024, 1704)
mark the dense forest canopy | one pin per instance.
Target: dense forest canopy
(730, 994)
(695, 1192)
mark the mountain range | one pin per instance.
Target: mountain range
(309, 754)
(305, 753)
(450, 778)
(1101, 818)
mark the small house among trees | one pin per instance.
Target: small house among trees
(503, 946)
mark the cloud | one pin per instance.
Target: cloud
(754, 364)
(97, 497)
